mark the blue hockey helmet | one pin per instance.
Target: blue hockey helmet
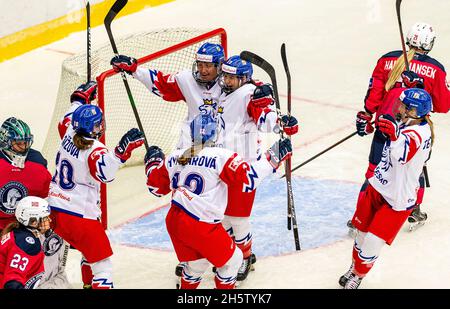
(418, 99)
(237, 67)
(209, 53)
(203, 128)
(87, 120)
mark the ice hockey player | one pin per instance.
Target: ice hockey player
(425, 72)
(200, 177)
(82, 163)
(23, 170)
(245, 110)
(197, 87)
(21, 255)
(391, 194)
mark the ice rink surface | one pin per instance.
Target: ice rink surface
(332, 48)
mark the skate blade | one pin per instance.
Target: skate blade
(415, 226)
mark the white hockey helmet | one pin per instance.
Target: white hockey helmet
(421, 35)
(31, 207)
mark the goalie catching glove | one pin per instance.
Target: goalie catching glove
(124, 63)
(131, 140)
(280, 151)
(85, 93)
(153, 158)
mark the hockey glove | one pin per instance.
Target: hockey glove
(130, 141)
(124, 63)
(85, 93)
(279, 152)
(363, 125)
(289, 124)
(388, 125)
(412, 80)
(153, 157)
(262, 96)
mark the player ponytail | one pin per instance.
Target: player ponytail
(189, 153)
(82, 143)
(10, 227)
(398, 68)
(430, 123)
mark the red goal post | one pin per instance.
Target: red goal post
(161, 120)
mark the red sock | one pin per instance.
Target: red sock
(246, 249)
(221, 285)
(189, 285)
(86, 273)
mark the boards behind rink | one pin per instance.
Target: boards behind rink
(168, 50)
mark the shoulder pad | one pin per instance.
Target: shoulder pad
(36, 156)
(26, 241)
(392, 54)
(428, 59)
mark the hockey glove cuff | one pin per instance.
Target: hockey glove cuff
(388, 125)
(289, 124)
(130, 141)
(363, 125)
(124, 63)
(279, 152)
(85, 93)
(153, 158)
(412, 80)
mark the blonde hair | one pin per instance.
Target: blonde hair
(398, 68)
(81, 143)
(430, 123)
(189, 153)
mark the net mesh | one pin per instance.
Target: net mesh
(161, 120)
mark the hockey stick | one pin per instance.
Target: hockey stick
(268, 68)
(115, 9)
(88, 39)
(290, 204)
(325, 150)
(399, 19)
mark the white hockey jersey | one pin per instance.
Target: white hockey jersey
(239, 124)
(200, 187)
(396, 177)
(181, 87)
(75, 186)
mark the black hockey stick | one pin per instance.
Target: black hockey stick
(399, 19)
(290, 204)
(88, 39)
(268, 68)
(325, 150)
(115, 9)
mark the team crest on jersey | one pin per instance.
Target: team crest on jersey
(33, 282)
(10, 194)
(30, 240)
(52, 244)
(208, 107)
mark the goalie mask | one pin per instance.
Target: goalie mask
(88, 121)
(15, 141)
(413, 103)
(422, 36)
(235, 72)
(206, 66)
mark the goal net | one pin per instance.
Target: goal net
(167, 50)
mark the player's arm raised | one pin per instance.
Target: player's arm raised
(158, 181)
(160, 84)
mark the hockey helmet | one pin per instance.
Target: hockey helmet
(422, 36)
(31, 208)
(88, 121)
(210, 53)
(13, 131)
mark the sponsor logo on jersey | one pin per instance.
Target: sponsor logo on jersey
(234, 164)
(30, 240)
(5, 238)
(52, 244)
(10, 194)
(33, 281)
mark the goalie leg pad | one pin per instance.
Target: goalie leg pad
(226, 275)
(192, 273)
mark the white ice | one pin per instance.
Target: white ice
(332, 49)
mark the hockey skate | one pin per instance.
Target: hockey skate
(345, 277)
(179, 268)
(416, 219)
(351, 229)
(246, 267)
(353, 282)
